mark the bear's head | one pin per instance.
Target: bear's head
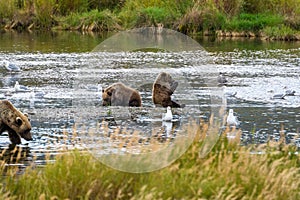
(17, 122)
(166, 82)
(107, 96)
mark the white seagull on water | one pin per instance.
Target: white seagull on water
(231, 119)
(168, 116)
(11, 67)
(222, 79)
(20, 88)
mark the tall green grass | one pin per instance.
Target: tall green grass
(44, 11)
(65, 7)
(7, 9)
(93, 21)
(204, 15)
(281, 32)
(253, 22)
(239, 15)
(136, 13)
(228, 172)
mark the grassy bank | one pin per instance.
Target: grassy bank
(270, 19)
(229, 171)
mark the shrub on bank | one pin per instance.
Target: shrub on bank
(281, 32)
(253, 22)
(202, 17)
(136, 13)
(7, 10)
(90, 21)
(44, 14)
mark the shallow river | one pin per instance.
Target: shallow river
(64, 77)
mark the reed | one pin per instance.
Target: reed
(229, 171)
(136, 13)
(7, 9)
(203, 16)
(93, 20)
(44, 11)
(281, 32)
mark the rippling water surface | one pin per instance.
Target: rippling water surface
(64, 97)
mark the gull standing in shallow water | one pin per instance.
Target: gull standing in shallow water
(222, 79)
(168, 116)
(20, 88)
(278, 96)
(231, 119)
(11, 67)
(290, 93)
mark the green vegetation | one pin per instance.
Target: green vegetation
(90, 21)
(228, 172)
(281, 32)
(254, 22)
(188, 16)
(150, 12)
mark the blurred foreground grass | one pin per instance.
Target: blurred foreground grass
(229, 171)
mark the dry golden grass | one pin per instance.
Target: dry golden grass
(229, 171)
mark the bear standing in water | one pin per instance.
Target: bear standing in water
(119, 94)
(163, 88)
(14, 122)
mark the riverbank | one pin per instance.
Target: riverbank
(271, 20)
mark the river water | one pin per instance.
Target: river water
(64, 77)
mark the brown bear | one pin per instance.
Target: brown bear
(163, 88)
(119, 94)
(14, 122)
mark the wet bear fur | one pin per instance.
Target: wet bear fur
(119, 94)
(163, 88)
(14, 122)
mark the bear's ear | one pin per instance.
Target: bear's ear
(26, 115)
(19, 121)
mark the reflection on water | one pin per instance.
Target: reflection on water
(40, 41)
(52, 65)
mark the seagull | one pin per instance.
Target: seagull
(278, 96)
(230, 94)
(290, 93)
(8, 94)
(20, 88)
(94, 88)
(11, 67)
(221, 79)
(168, 116)
(39, 94)
(231, 119)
